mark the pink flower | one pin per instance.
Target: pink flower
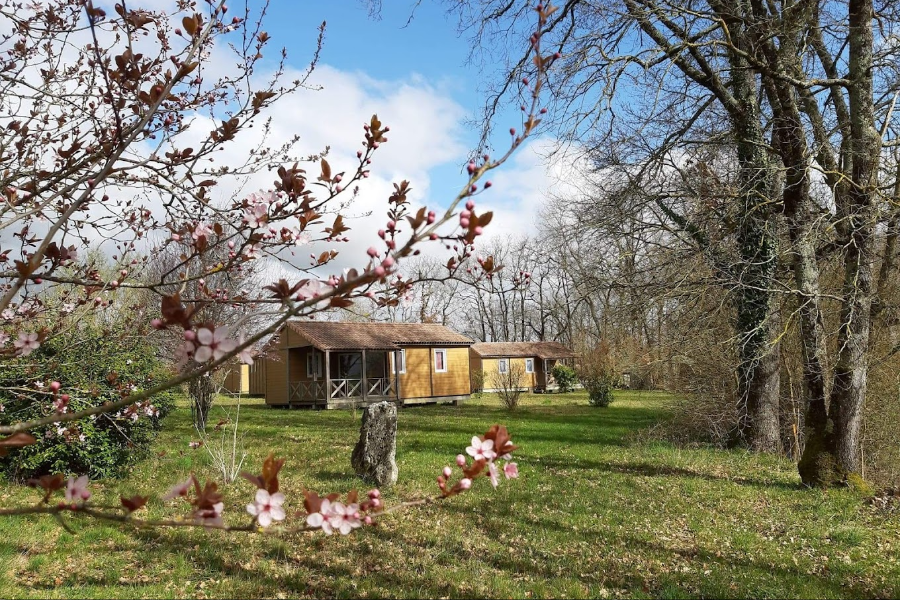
(494, 474)
(511, 470)
(26, 344)
(345, 518)
(210, 516)
(481, 449)
(201, 230)
(321, 518)
(267, 508)
(3, 338)
(245, 355)
(76, 489)
(213, 344)
(256, 215)
(179, 490)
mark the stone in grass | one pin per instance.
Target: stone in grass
(374, 458)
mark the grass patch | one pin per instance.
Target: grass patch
(596, 513)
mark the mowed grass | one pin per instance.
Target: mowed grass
(595, 514)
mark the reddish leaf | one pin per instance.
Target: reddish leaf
(133, 503)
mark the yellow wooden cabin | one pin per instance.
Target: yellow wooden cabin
(245, 380)
(332, 365)
(537, 360)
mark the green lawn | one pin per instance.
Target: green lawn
(595, 514)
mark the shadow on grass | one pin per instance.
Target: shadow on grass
(647, 469)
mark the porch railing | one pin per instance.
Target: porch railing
(307, 391)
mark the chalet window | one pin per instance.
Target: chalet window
(400, 357)
(529, 365)
(503, 365)
(313, 364)
(440, 361)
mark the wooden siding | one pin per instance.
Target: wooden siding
(258, 377)
(455, 381)
(474, 367)
(276, 375)
(491, 368)
(416, 382)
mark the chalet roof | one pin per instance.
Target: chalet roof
(326, 335)
(522, 349)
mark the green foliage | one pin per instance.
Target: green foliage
(477, 383)
(599, 389)
(565, 377)
(95, 363)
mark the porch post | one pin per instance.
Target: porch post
(327, 377)
(397, 374)
(365, 379)
(287, 357)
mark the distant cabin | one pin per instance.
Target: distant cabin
(332, 365)
(537, 360)
(245, 380)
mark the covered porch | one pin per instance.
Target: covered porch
(544, 380)
(340, 378)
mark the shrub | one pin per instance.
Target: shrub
(509, 385)
(597, 373)
(478, 383)
(565, 377)
(94, 363)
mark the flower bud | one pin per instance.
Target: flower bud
(460, 460)
(54, 386)
(465, 483)
(189, 335)
(447, 472)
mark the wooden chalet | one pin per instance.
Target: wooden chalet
(536, 358)
(332, 365)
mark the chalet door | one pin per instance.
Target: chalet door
(349, 366)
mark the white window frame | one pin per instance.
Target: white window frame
(313, 362)
(529, 365)
(400, 355)
(503, 365)
(436, 352)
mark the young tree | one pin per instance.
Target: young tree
(111, 128)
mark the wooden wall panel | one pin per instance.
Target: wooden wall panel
(416, 382)
(455, 382)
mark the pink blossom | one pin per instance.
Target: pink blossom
(26, 344)
(8, 314)
(267, 508)
(213, 344)
(481, 449)
(447, 472)
(201, 230)
(494, 474)
(210, 516)
(3, 338)
(460, 460)
(245, 355)
(178, 490)
(465, 483)
(76, 489)
(256, 215)
(511, 470)
(321, 518)
(345, 518)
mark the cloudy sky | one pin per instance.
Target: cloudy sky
(414, 76)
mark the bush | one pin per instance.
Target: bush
(597, 373)
(478, 383)
(94, 363)
(509, 384)
(565, 377)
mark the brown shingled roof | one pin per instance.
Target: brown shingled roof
(326, 335)
(519, 349)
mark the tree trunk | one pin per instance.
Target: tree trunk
(200, 390)
(851, 370)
